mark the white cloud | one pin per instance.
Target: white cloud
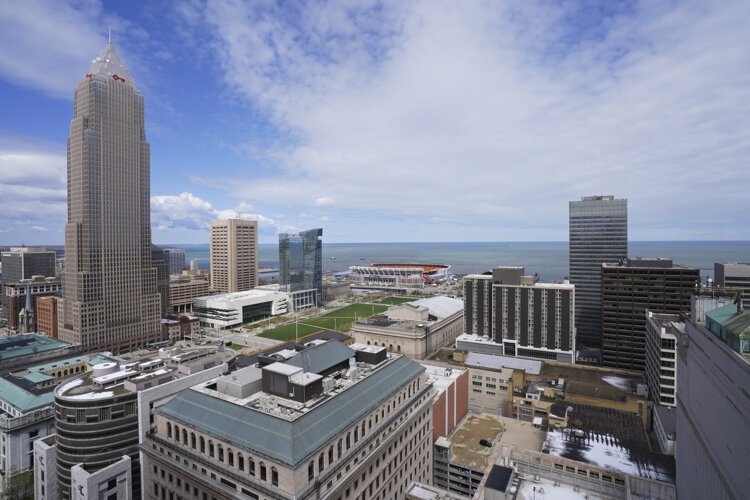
(475, 111)
(187, 211)
(40, 228)
(324, 201)
(325, 218)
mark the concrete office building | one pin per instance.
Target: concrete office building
(175, 259)
(661, 356)
(301, 262)
(631, 287)
(734, 275)
(713, 409)
(451, 403)
(418, 329)
(234, 255)
(343, 423)
(598, 233)
(230, 310)
(22, 263)
(529, 319)
(183, 289)
(110, 296)
(102, 416)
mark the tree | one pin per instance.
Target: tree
(20, 486)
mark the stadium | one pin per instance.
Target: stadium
(400, 275)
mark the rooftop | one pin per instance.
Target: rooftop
(610, 439)
(284, 430)
(615, 385)
(467, 452)
(240, 297)
(15, 346)
(492, 362)
(109, 64)
(441, 307)
(442, 377)
(668, 419)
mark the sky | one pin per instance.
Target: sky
(394, 121)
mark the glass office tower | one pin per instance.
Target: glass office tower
(598, 234)
(301, 261)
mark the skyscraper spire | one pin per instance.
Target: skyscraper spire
(109, 65)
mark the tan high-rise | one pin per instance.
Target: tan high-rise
(110, 300)
(234, 255)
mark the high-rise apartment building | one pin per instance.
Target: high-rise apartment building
(734, 275)
(529, 319)
(661, 358)
(234, 255)
(176, 259)
(713, 408)
(631, 287)
(110, 300)
(301, 261)
(598, 234)
(22, 263)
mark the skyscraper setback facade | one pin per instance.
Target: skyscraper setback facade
(598, 234)
(110, 300)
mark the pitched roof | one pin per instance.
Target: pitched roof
(109, 64)
(290, 442)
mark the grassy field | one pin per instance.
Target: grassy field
(340, 320)
(394, 301)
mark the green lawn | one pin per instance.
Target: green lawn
(340, 320)
(394, 301)
(236, 347)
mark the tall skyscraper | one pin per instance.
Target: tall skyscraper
(598, 234)
(234, 255)
(301, 260)
(110, 301)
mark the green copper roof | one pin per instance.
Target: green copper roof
(15, 346)
(288, 442)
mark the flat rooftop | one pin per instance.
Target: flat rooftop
(493, 362)
(467, 452)
(610, 439)
(442, 377)
(602, 383)
(15, 346)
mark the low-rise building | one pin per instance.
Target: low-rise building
(101, 416)
(14, 296)
(32, 348)
(46, 315)
(336, 290)
(338, 423)
(176, 327)
(451, 403)
(230, 310)
(493, 378)
(26, 410)
(418, 329)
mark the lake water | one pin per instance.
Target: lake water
(549, 259)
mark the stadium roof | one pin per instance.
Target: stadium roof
(290, 442)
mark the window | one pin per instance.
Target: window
(274, 476)
(192, 440)
(240, 461)
(262, 471)
(251, 466)
(330, 455)
(203, 444)
(321, 464)
(310, 471)
(169, 430)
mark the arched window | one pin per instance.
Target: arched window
(169, 430)
(262, 471)
(221, 453)
(398, 348)
(321, 463)
(210, 448)
(184, 437)
(310, 470)
(363, 429)
(192, 440)
(339, 449)
(330, 455)
(274, 476)
(177, 432)
(348, 440)
(230, 457)
(390, 347)
(203, 444)
(251, 466)
(240, 462)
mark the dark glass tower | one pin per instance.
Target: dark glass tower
(598, 234)
(301, 260)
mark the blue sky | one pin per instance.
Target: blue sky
(395, 121)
